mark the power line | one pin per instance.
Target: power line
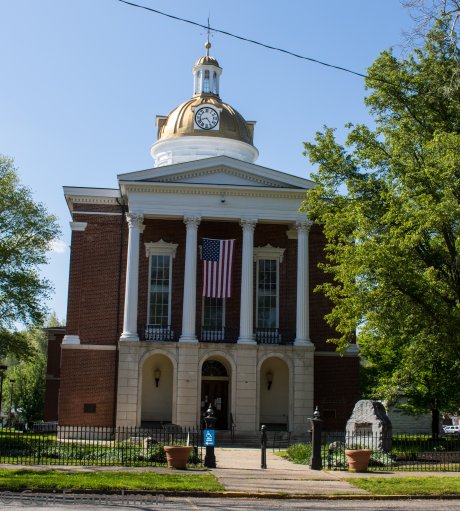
(241, 38)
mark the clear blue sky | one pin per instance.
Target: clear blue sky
(83, 80)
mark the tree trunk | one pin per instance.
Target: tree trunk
(435, 421)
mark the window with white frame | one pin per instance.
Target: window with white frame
(161, 255)
(213, 313)
(268, 259)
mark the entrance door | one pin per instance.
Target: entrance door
(216, 393)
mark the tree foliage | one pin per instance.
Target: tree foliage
(26, 231)
(389, 200)
(28, 389)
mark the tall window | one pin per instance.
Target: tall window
(214, 83)
(268, 259)
(161, 255)
(213, 313)
(160, 290)
(267, 293)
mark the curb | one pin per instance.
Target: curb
(224, 494)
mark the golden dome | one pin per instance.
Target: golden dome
(180, 122)
(207, 60)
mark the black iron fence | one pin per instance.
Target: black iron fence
(222, 334)
(156, 333)
(83, 445)
(396, 452)
(273, 336)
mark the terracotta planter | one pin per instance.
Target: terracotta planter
(358, 459)
(177, 455)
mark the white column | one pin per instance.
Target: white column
(303, 285)
(247, 279)
(132, 278)
(189, 303)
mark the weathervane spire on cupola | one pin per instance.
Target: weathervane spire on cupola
(208, 42)
(206, 72)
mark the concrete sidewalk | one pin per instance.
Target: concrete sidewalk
(239, 470)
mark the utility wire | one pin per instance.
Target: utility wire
(241, 38)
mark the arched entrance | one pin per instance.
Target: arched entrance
(274, 393)
(214, 391)
(157, 391)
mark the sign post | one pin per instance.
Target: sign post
(209, 438)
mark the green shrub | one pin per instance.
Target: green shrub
(299, 453)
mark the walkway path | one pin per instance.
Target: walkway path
(239, 471)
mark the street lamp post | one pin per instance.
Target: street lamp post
(3, 368)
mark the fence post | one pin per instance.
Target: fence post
(316, 463)
(263, 447)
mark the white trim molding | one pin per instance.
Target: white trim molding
(71, 339)
(78, 226)
(160, 247)
(269, 252)
(95, 347)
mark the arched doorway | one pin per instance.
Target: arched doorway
(214, 391)
(274, 394)
(157, 391)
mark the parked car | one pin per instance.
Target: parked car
(451, 430)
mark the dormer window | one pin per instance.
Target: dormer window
(206, 82)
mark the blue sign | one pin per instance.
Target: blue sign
(208, 437)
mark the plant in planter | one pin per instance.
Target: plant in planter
(358, 457)
(177, 455)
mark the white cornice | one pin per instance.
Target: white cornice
(100, 196)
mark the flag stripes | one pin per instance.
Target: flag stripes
(217, 256)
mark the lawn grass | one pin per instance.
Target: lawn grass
(434, 485)
(67, 480)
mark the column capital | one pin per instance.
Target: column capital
(248, 224)
(134, 219)
(192, 220)
(303, 225)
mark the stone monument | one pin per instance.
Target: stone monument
(369, 426)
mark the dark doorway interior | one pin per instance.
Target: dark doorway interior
(214, 391)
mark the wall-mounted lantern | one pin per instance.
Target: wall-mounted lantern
(157, 375)
(269, 377)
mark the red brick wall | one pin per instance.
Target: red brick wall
(336, 388)
(88, 376)
(96, 278)
(319, 304)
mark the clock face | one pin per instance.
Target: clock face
(206, 118)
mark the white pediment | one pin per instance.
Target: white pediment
(220, 170)
(219, 176)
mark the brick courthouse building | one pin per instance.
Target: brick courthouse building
(142, 345)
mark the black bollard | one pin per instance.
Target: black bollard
(210, 422)
(263, 447)
(316, 463)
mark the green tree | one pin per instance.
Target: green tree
(28, 389)
(389, 200)
(26, 231)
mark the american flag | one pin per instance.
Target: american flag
(217, 256)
